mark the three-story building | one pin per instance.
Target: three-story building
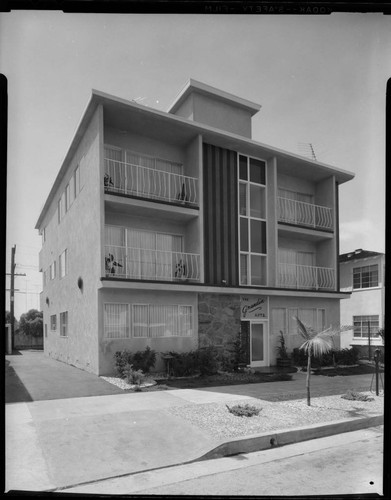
(176, 230)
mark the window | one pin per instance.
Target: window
(366, 277)
(162, 320)
(43, 235)
(76, 180)
(361, 324)
(45, 278)
(252, 221)
(63, 262)
(64, 324)
(116, 321)
(46, 330)
(147, 321)
(52, 270)
(67, 198)
(278, 320)
(53, 323)
(312, 318)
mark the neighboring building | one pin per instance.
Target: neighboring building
(362, 273)
(176, 230)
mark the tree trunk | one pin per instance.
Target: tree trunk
(308, 378)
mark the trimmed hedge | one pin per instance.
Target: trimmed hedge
(339, 357)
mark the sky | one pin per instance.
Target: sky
(320, 80)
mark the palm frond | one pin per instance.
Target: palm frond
(303, 330)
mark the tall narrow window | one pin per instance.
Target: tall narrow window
(63, 264)
(64, 324)
(252, 221)
(53, 322)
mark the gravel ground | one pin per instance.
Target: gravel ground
(122, 384)
(219, 422)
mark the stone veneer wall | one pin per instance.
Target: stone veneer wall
(218, 319)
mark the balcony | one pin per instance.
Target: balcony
(304, 214)
(150, 183)
(153, 265)
(306, 277)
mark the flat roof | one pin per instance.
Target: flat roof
(202, 88)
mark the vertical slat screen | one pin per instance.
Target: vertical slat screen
(221, 216)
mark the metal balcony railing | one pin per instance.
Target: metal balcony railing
(306, 277)
(144, 182)
(306, 214)
(145, 264)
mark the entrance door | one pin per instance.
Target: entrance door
(258, 349)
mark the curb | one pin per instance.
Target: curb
(273, 440)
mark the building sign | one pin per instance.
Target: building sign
(253, 307)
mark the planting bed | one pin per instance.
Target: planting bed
(216, 419)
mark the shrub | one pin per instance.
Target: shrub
(356, 396)
(341, 357)
(140, 360)
(144, 360)
(183, 364)
(244, 410)
(347, 356)
(207, 360)
(133, 377)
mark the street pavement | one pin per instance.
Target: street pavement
(65, 427)
(351, 464)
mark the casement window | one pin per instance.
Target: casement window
(363, 324)
(67, 198)
(366, 276)
(252, 221)
(43, 234)
(45, 278)
(147, 321)
(312, 318)
(63, 262)
(64, 324)
(52, 270)
(53, 322)
(46, 330)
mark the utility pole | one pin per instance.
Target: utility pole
(12, 293)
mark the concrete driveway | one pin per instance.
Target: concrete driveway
(32, 376)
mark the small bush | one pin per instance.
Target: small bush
(356, 396)
(140, 360)
(339, 357)
(207, 360)
(183, 364)
(133, 377)
(244, 410)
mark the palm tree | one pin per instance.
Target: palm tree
(317, 344)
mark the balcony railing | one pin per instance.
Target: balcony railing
(144, 182)
(306, 277)
(144, 264)
(306, 214)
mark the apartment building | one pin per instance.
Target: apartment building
(362, 273)
(176, 230)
